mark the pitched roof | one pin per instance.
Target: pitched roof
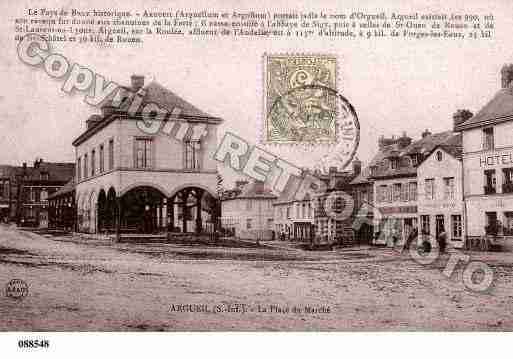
(255, 190)
(67, 188)
(157, 94)
(423, 146)
(498, 109)
(57, 171)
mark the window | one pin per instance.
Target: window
(102, 159)
(32, 194)
(248, 223)
(288, 212)
(249, 205)
(44, 176)
(404, 192)
(394, 163)
(191, 151)
(143, 152)
(414, 160)
(269, 223)
(382, 193)
(449, 188)
(492, 226)
(430, 188)
(85, 166)
(488, 142)
(79, 168)
(507, 184)
(457, 229)
(93, 164)
(44, 195)
(413, 191)
(111, 154)
(439, 156)
(490, 180)
(397, 191)
(309, 210)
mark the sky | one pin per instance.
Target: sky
(395, 86)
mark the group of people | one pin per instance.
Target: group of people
(441, 239)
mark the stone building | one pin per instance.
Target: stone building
(248, 214)
(131, 181)
(488, 166)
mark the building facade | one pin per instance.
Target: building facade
(394, 172)
(131, 181)
(440, 194)
(488, 166)
(34, 185)
(293, 215)
(8, 193)
(363, 214)
(334, 207)
(249, 214)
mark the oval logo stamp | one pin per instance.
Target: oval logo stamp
(304, 108)
(16, 288)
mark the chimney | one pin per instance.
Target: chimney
(137, 82)
(426, 133)
(94, 119)
(506, 75)
(404, 140)
(259, 187)
(357, 166)
(239, 184)
(459, 117)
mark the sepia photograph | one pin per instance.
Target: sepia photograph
(233, 167)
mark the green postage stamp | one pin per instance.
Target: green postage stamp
(299, 105)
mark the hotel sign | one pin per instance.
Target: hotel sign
(497, 159)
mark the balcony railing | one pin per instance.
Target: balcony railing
(490, 190)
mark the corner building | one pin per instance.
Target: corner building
(129, 181)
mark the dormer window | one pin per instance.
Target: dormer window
(394, 163)
(414, 159)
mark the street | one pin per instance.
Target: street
(91, 285)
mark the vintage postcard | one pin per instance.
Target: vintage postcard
(174, 166)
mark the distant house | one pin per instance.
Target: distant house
(62, 207)
(34, 186)
(8, 193)
(249, 213)
(293, 216)
(333, 208)
(363, 214)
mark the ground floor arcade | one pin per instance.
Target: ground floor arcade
(147, 209)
